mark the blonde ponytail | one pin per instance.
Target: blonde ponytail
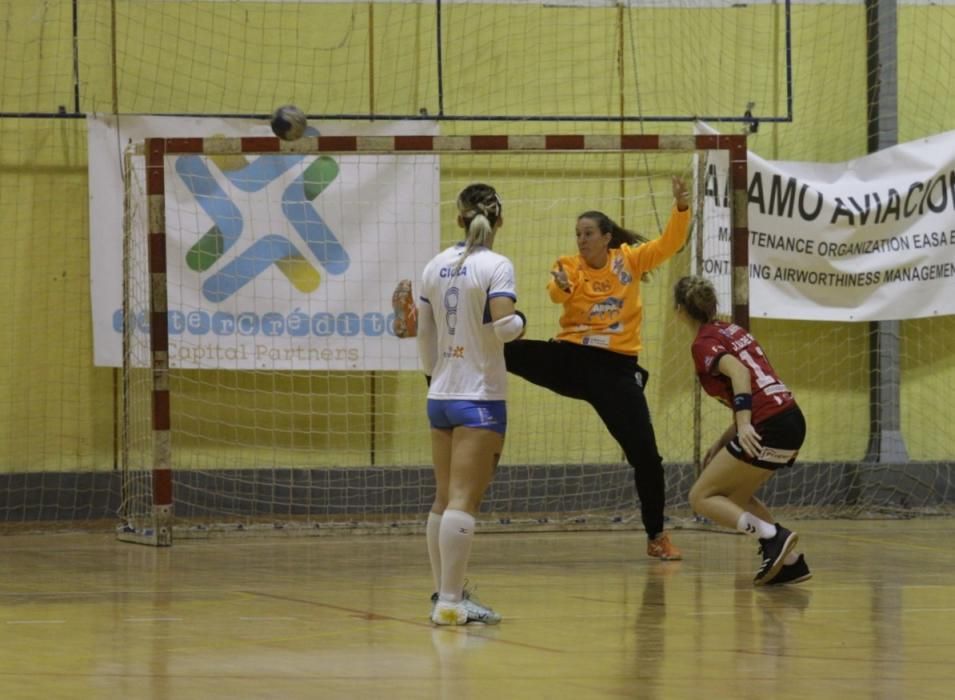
(480, 209)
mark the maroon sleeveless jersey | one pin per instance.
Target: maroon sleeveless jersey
(717, 338)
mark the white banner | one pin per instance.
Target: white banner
(712, 251)
(274, 262)
(871, 239)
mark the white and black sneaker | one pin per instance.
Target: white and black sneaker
(774, 551)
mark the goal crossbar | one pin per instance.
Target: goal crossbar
(158, 528)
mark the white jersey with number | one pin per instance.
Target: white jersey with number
(470, 357)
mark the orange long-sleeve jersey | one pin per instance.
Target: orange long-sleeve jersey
(603, 307)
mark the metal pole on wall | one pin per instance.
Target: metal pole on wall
(886, 443)
(373, 376)
(623, 112)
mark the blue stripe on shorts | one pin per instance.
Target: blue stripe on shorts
(447, 414)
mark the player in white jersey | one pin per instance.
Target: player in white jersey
(465, 315)
(469, 363)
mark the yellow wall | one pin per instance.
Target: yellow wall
(58, 411)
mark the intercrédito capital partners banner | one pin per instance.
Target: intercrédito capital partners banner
(870, 239)
(282, 262)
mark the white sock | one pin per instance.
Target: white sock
(434, 552)
(791, 559)
(752, 525)
(457, 531)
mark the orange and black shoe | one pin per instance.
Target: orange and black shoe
(660, 547)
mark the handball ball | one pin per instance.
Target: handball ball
(288, 123)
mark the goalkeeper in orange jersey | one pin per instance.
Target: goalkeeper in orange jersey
(594, 356)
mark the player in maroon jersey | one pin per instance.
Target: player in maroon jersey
(767, 431)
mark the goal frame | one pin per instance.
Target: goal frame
(157, 528)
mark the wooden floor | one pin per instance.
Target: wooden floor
(586, 615)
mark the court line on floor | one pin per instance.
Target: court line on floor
(36, 622)
(153, 619)
(861, 658)
(368, 615)
(889, 544)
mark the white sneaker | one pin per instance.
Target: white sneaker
(434, 601)
(447, 613)
(480, 613)
(464, 611)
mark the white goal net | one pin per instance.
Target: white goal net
(292, 403)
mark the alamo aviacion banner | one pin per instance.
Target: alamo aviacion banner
(280, 262)
(870, 239)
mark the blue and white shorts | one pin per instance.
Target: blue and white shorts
(447, 414)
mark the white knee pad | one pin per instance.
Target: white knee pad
(510, 327)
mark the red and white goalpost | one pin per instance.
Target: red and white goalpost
(260, 391)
